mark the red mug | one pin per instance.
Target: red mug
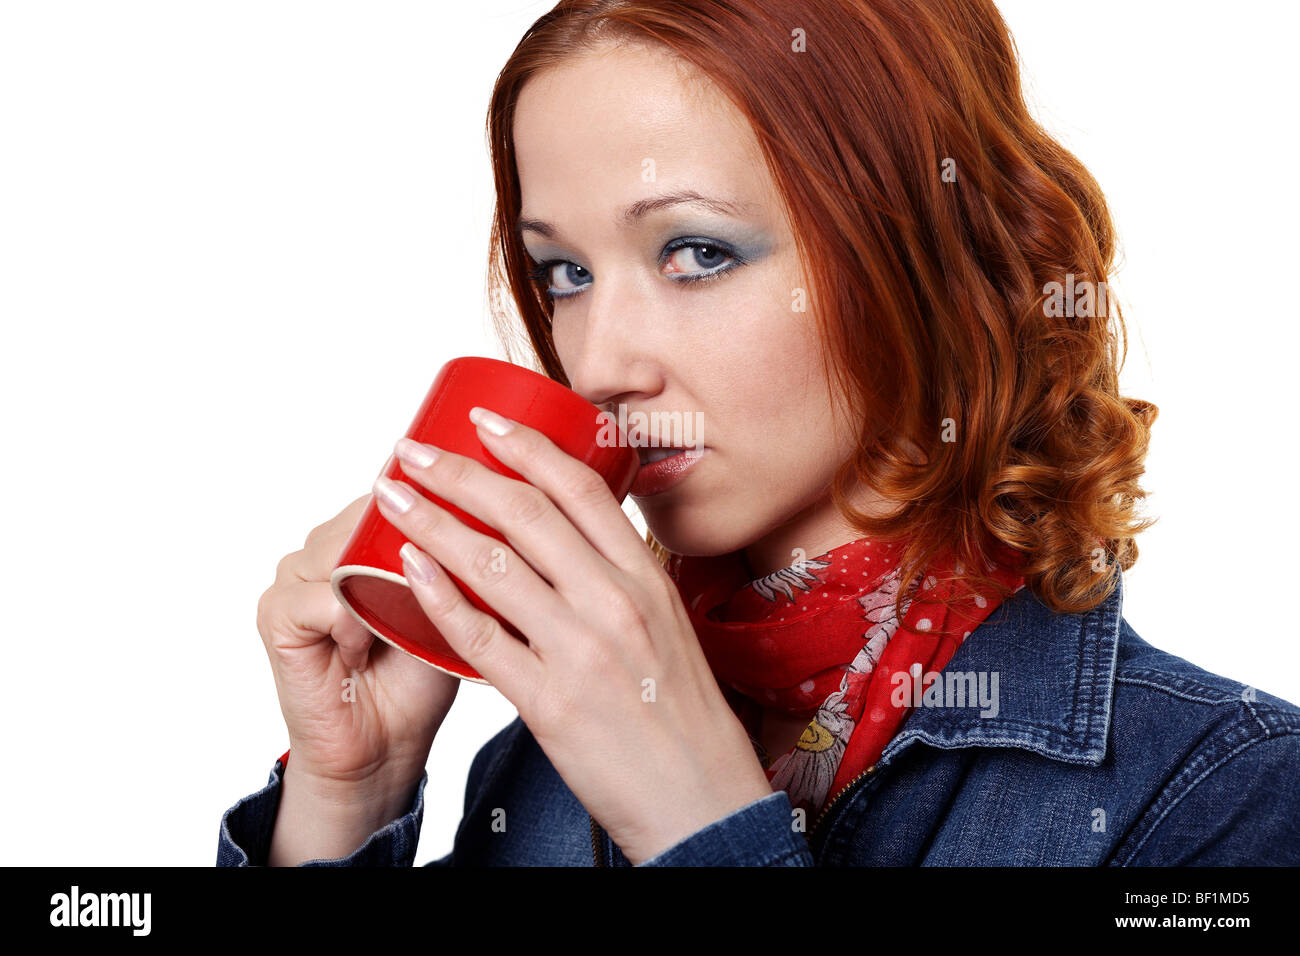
(368, 579)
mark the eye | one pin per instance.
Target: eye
(704, 253)
(572, 272)
(715, 259)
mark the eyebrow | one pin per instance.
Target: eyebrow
(643, 207)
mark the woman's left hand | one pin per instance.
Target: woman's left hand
(613, 683)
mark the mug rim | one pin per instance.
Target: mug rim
(345, 571)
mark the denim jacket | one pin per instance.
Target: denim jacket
(1099, 750)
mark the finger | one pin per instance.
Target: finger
(316, 560)
(479, 638)
(487, 567)
(346, 520)
(304, 613)
(537, 530)
(575, 488)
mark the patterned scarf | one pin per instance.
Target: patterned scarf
(820, 639)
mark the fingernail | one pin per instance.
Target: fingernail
(490, 420)
(394, 495)
(415, 453)
(417, 565)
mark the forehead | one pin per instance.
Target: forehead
(624, 122)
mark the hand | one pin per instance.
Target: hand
(613, 683)
(361, 714)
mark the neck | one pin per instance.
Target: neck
(817, 529)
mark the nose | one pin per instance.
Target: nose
(605, 348)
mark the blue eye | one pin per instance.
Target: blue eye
(706, 253)
(543, 273)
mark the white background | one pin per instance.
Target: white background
(237, 240)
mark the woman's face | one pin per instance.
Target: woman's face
(683, 307)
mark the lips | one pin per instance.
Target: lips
(650, 455)
(662, 468)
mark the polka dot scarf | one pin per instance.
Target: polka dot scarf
(820, 639)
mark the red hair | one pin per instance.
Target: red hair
(932, 215)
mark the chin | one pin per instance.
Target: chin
(689, 532)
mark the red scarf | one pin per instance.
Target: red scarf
(820, 639)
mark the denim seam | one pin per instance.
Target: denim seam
(1103, 689)
(1045, 746)
(1188, 687)
(1284, 718)
(1175, 801)
(1090, 701)
(1031, 727)
(1082, 676)
(1195, 691)
(1254, 712)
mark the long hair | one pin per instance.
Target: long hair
(957, 257)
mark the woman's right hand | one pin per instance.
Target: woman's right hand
(358, 746)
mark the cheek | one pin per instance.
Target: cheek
(783, 400)
(777, 369)
(778, 421)
(565, 342)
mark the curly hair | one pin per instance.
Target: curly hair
(939, 226)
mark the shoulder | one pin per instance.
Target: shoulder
(1150, 680)
(1224, 758)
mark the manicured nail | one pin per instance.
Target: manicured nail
(417, 565)
(414, 453)
(394, 495)
(490, 420)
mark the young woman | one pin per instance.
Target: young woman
(878, 619)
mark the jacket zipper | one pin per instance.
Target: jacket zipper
(597, 840)
(830, 803)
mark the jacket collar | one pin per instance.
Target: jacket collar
(1055, 681)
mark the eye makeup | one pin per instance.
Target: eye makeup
(684, 250)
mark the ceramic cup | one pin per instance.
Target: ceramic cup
(368, 578)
